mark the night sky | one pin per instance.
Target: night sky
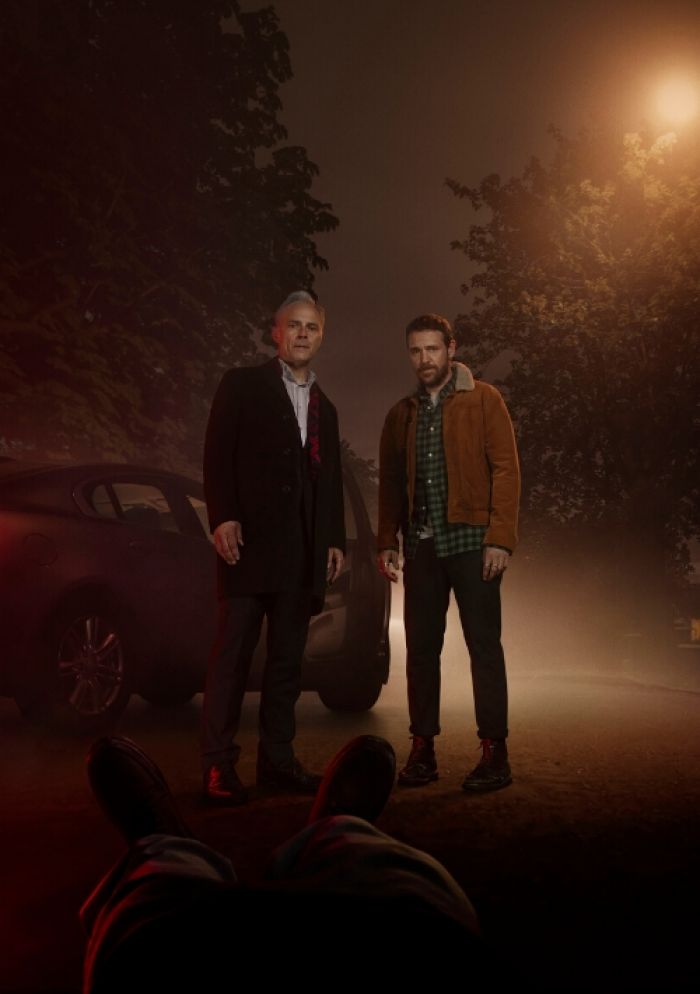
(389, 98)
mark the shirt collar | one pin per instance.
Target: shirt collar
(288, 375)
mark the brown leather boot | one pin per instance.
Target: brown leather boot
(421, 765)
(493, 769)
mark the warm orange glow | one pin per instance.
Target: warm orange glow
(678, 100)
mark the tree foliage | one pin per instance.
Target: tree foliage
(366, 474)
(589, 283)
(152, 218)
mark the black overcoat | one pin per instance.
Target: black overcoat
(253, 467)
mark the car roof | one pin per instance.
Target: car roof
(51, 485)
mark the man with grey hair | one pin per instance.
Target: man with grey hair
(274, 492)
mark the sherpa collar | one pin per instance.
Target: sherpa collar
(464, 379)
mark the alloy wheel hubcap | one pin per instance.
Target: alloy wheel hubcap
(90, 665)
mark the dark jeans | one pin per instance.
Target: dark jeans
(428, 581)
(240, 620)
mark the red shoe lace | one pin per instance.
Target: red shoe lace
(487, 746)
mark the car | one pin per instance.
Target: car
(109, 588)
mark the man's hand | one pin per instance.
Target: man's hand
(335, 564)
(495, 562)
(388, 563)
(228, 538)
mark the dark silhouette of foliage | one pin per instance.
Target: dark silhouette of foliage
(589, 283)
(152, 218)
(366, 475)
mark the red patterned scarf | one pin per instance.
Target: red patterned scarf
(313, 424)
(313, 431)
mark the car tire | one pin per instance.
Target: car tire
(81, 684)
(355, 684)
(343, 694)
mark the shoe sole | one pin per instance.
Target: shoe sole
(379, 760)
(131, 750)
(418, 783)
(134, 752)
(485, 788)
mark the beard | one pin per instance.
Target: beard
(432, 375)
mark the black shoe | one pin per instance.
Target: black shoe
(223, 785)
(132, 791)
(493, 770)
(357, 781)
(293, 779)
(421, 765)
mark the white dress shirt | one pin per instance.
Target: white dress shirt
(299, 396)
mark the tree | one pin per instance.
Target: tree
(152, 218)
(366, 474)
(589, 282)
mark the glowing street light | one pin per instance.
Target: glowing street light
(678, 100)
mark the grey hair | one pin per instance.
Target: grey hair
(300, 297)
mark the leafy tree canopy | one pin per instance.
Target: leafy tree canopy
(589, 283)
(366, 474)
(152, 218)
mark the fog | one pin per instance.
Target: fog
(565, 629)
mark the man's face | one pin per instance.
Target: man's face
(298, 334)
(430, 357)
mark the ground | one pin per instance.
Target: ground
(584, 872)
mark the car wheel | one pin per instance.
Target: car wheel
(340, 693)
(83, 684)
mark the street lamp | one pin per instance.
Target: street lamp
(678, 99)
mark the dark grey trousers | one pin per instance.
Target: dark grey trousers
(428, 581)
(240, 620)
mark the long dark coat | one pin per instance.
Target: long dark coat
(253, 465)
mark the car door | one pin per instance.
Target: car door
(199, 557)
(328, 630)
(149, 565)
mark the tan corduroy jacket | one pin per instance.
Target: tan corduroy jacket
(483, 477)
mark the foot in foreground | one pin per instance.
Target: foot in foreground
(357, 781)
(132, 791)
(492, 772)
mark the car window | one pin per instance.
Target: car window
(102, 502)
(200, 509)
(145, 505)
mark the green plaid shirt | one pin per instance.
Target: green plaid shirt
(430, 504)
